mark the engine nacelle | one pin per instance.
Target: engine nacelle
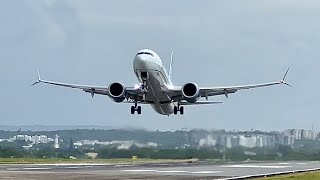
(117, 92)
(191, 92)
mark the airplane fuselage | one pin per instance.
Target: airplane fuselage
(150, 71)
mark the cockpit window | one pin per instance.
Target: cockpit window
(145, 53)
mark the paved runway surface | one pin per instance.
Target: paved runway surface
(199, 170)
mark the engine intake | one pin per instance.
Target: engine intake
(117, 92)
(191, 92)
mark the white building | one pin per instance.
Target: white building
(229, 142)
(56, 142)
(247, 141)
(43, 139)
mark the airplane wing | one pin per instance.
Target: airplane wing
(86, 88)
(206, 92)
(90, 89)
(214, 91)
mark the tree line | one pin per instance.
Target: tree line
(233, 154)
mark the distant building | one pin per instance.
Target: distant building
(56, 142)
(260, 141)
(299, 134)
(247, 141)
(229, 142)
(43, 139)
(19, 137)
(313, 135)
(36, 139)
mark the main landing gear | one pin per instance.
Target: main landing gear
(135, 108)
(177, 109)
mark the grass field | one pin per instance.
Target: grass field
(302, 176)
(106, 161)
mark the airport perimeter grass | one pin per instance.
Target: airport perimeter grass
(302, 176)
(102, 161)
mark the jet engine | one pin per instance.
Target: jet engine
(117, 92)
(191, 92)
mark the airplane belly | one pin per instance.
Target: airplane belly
(155, 86)
(164, 109)
(161, 101)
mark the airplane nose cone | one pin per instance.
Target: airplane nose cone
(140, 61)
(142, 57)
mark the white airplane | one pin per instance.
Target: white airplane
(155, 87)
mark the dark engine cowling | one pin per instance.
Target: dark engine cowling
(191, 92)
(117, 92)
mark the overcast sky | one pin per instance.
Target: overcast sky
(215, 43)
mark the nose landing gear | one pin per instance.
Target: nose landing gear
(144, 77)
(144, 87)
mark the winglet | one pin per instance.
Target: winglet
(284, 78)
(39, 79)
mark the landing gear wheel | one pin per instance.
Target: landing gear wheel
(181, 110)
(175, 110)
(133, 109)
(139, 109)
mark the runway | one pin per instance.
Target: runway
(199, 170)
